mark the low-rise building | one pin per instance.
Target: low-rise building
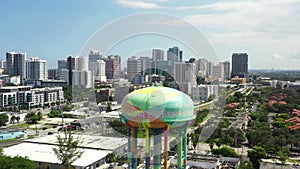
(24, 95)
(46, 83)
(95, 149)
(203, 92)
(294, 85)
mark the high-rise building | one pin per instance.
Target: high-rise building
(100, 74)
(3, 64)
(239, 65)
(62, 64)
(226, 66)
(71, 67)
(112, 67)
(94, 56)
(157, 54)
(63, 74)
(146, 64)
(15, 64)
(218, 72)
(81, 63)
(180, 56)
(209, 68)
(134, 67)
(82, 79)
(37, 69)
(201, 67)
(78, 64)
(53, 74)
(185, 76)
(173, 55)
(160, 67)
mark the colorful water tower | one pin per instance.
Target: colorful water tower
(157, 110)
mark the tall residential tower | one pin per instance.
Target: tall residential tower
(15, 64)
(239, 65)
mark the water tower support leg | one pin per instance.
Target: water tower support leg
(166, 134)
(185, 150)
(157, 149)
(147, 149)
(179, 149)
(129, 148)
(133, 149)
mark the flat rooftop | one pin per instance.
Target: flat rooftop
(44, 153)
(89, 141)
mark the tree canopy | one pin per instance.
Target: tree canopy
(15, 162)
(68, 150)
(3, 119)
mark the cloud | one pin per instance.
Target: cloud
(139, 4)
(268, 17)
(277, 56)
(295, 55)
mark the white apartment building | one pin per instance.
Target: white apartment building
(16, 65)
(82, 79)
(218, 72)
(202, 92)
(185, 76)
(37, 69)
(100, 72)
(157, 54)
(16, 95)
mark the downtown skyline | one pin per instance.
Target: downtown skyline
(53, 30)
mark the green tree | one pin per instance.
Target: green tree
(118, 126)
(246, 165)
(68, 108)
(283, 155)
(68, 148)
(68, 93)
(260, 136)
(33, 118)
(16, 162)
(111, 157)
(195, 139)
(255, 155)
(3, 119)
(54, 113)
(225, 151)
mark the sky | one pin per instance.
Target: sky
(269, 31)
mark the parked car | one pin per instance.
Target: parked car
(50, 133)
